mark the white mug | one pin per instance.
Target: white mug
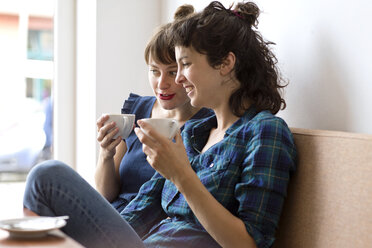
(124, 122)
(165, 126)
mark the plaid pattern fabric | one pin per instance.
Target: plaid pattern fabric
(247, 172)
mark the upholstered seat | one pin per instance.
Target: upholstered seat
(329, 201)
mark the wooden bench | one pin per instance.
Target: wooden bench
(329, 201)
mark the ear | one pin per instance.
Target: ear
(228, 64)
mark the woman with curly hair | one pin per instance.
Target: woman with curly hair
(231, 179)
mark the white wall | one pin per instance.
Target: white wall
(111, 38)
(123, 29)
(323, 47)
(324, 50)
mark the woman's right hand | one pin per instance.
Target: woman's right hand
(106, 132)
(111, 152)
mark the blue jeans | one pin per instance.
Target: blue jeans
(54, 189)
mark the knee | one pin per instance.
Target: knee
(47, 170)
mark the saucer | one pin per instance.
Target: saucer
(32, 227)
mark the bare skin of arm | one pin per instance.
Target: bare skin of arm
(106, 176)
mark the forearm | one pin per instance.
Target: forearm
(227, 229)
(106, 180)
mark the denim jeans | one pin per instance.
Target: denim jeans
(54, 189)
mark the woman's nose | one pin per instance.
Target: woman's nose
(164, 82)
(179, 78)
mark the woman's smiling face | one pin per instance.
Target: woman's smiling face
(201, 81)
(162, 80)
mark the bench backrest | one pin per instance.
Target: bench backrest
(329, 202)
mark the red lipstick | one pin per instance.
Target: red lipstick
(166, 96)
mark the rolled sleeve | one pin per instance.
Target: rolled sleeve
(264, 179)
(145, 210)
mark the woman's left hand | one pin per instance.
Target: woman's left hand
(165, 156)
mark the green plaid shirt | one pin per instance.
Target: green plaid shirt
(247, 172)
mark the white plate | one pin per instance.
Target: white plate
(32, 227)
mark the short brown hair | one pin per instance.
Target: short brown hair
(160, 46)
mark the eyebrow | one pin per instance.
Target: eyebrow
(173, 66)
(170, 67)
(183, 57)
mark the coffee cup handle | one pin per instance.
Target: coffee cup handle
(125, 125)
(174, 129)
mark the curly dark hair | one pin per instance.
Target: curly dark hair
(215, 32)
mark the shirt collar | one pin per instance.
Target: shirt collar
(202, 129)
(247, 116)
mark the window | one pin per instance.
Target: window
(26, 83)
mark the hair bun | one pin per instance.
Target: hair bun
(183, 11)
(249, 11)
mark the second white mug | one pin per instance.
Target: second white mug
(165, 126)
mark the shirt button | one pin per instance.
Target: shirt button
(212, 164)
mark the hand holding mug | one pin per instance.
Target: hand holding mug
(166, 127)
(112, 126)
(167, 157)
(124, 123)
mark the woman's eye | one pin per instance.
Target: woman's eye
(185, 64)
(173, 73)
(154, 72)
